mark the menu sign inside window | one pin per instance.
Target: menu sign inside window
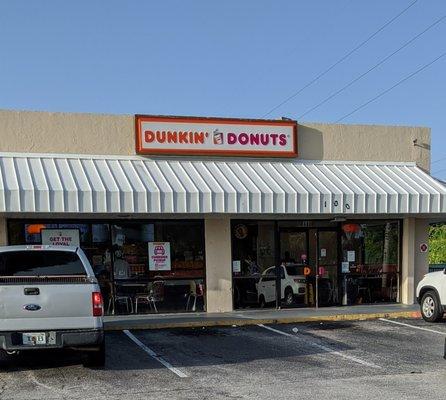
(60, 237)
(159, 256)
(215, 136)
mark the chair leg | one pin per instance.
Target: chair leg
(154, 306)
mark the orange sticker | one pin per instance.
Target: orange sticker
(307, 271)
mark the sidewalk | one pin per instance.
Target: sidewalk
(253, 317)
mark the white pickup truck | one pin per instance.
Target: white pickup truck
(431, 295)
(50, 298)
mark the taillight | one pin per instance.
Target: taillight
(98, 305)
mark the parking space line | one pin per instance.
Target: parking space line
(152, 354)
(325, 348)
(412, 326)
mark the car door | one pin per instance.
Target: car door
(441, 283)
(268, 285)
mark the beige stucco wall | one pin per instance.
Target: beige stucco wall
(218, 265)
(421, 259)
(414, 263)
(365, 143)
(43, 132)
(408, 262)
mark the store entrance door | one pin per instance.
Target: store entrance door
(328, 267)
(294, 269)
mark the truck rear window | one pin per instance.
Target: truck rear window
(40, 263)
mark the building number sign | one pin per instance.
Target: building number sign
(336, 204)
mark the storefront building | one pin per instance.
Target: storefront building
(190, 214)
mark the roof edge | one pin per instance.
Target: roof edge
(197, 158)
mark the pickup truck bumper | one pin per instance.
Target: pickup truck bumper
(73, 338)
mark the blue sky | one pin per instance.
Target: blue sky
(228, 58)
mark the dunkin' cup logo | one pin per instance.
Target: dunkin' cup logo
(218, 137)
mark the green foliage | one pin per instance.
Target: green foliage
(437, 244)
(374, 243)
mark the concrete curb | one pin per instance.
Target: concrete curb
(121, 325)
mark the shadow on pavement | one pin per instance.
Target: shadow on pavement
(191, 347)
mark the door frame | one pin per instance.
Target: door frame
(338, 232)
(279, 230)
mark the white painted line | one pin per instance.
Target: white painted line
(412, 326)
(245, 316)
(152, 354)
(325, 348)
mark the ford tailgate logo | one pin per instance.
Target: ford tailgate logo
(32, 307)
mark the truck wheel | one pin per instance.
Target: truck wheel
(96, 358)
(5, 358)
(431, 309)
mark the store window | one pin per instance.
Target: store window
(370, 264)
(253, 255)
(119, 255)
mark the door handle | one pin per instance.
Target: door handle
(31, 291)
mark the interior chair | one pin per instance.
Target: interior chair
(116, 299)
(196, 290)
(364, 291)
(155, 293)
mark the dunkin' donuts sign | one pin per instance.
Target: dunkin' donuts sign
(215, 136)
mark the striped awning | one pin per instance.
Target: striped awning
(98, 184)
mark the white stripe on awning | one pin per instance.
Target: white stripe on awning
(98, 184)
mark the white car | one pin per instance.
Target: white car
(431, 295)
(293, 284)
(50, 298)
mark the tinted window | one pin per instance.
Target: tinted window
(40, 263)
(271, 272)
(295, 269)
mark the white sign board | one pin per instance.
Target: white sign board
(215, 136)
(159, 256)
(60, 237)
(236, 266)
(351, 256)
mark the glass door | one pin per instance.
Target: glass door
(294, 269)
(328, 278)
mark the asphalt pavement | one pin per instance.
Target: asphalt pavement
(378, 359)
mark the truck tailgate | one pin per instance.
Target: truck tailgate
(56, 306)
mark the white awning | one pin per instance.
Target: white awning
(97, 184)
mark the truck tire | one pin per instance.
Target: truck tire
(431, 309)
(95, 358)
(5, 359)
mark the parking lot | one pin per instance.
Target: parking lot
(387, 359)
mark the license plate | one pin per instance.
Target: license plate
(34, 339)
